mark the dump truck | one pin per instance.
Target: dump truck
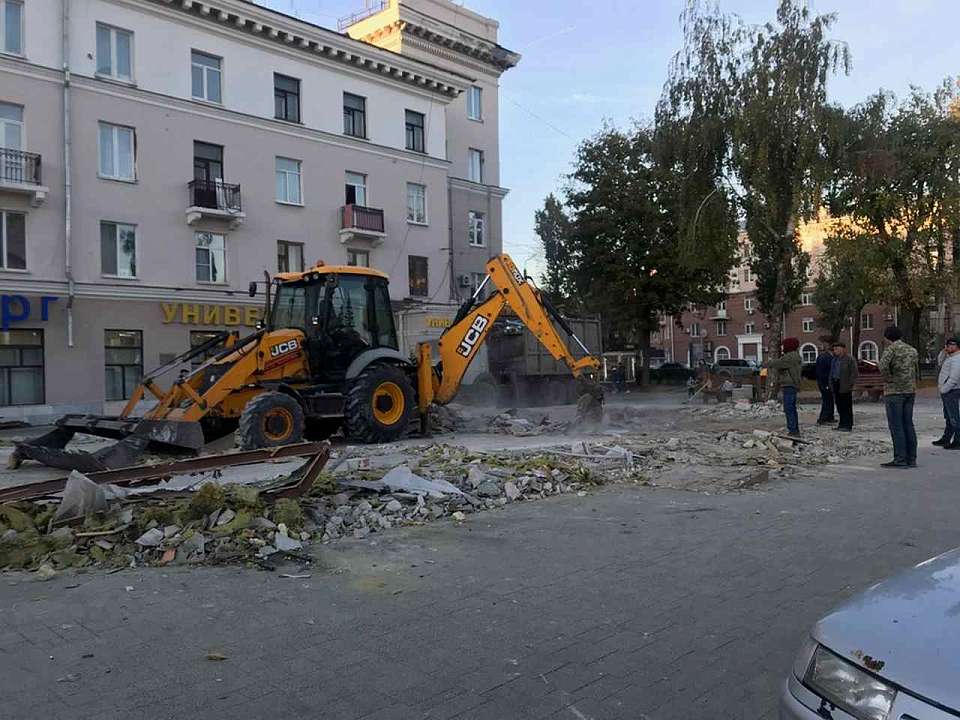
(326, 358)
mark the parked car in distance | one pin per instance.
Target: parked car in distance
(809, 370)
(738, 371)
(889, 653)
(671, 373)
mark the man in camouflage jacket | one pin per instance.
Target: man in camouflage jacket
(899, 368)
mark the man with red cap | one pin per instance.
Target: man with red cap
(787, 367)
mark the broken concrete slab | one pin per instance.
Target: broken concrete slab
(81, 497)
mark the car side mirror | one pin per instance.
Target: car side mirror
(315, 320)
(252, 289)
(260, 325)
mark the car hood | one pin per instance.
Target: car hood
(905, 629)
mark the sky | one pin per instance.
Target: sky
(587, 62)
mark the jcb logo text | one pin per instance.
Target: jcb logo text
(472, 336)
(284, 348)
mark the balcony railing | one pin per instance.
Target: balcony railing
(214, 195)
(19, 167)
(372, 9)
(364, 219)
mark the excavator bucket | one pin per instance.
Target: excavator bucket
(135, 436)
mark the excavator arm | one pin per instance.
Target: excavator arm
(461, 341)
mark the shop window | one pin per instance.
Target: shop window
(21, 367)
(123, 362)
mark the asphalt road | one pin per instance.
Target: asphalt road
(628, 603)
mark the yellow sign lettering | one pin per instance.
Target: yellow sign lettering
(251, 315)
(211, 314)
(169, 311)
(190, 314)
(231, 315)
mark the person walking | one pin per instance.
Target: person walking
(843, 376)
(948, 383)
(787, 367)
(898, 365)
(824, 363)
(948, 431)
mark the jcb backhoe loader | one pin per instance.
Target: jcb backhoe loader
(326, 356)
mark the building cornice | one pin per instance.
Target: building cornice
(478, 188)
(132, 291)
(315, 41)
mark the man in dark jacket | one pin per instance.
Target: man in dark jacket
(843, 376)
(824, 361)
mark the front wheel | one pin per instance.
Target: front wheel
(271, 419)
(380, 405)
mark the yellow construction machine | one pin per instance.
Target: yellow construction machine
(325, 358)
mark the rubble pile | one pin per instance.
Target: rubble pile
(740, 409)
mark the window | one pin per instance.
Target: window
(356, 190)
(747, 275)
(286, 98)
(808, 325)
(748, 304)
(866, 321)
(117, 152)
(21, 367)
(721, 353)
(721, 327)
(476, 231)
(288, 181)
(354, 115)
(361, 315)
(476, 166)
(808, 353)
(11, 126)
(123, 362)
(722, 306)
(114, 52)
(205, 76)
(358, 258)
(289, 256)
(749, 328)
(475, 103)
(118, 249)
(11, 28)
(211, 257)
(417, 203)
(868, 351)
(418, 276)
(13, 241)
(415, 138)
(806, 298)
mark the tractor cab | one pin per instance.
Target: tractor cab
(342, 311)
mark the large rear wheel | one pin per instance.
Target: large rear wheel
(380, 405)
(269, 420)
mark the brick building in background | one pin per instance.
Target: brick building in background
(737, 328)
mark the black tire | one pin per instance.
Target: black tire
(271, 419)
(386, 421)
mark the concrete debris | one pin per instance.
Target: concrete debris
(81, 497)
(286, 544)
(151, 538)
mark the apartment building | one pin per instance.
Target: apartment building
(156, 156)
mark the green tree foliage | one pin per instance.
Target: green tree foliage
(553, 227)
(635, 251)
(757, 96)
(897, 175)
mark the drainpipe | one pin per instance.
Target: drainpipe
(67, 181)
(453, 278)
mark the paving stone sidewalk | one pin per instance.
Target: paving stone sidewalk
(629, 603)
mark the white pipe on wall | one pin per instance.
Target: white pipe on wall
(67, 180)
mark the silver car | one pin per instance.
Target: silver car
(891, 652)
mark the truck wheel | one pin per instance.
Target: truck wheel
(269, 420)
(380, 405)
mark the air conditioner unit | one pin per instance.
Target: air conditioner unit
(463, 281)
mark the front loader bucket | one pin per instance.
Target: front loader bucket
(135, 436)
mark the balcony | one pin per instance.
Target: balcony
(20, 173)
(214, 200)
(358, 223)
(719, 314)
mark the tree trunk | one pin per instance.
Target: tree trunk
(910, 321)
(776, 313)
(855, 340)
(645, 351)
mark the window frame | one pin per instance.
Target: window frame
(716, 353)
(805, 346)
(806, 299)
(471, 154)
(423, 197)
(22, 52)
(196, 246)
(808, 321)
(354, 114)
(357, 252)
(410, 131)
(123, 375)
(412, 261)
(286, 96)
(116, 239)
(286, 184)
(866, 321)
(748, 304)
(366, 188)
(42, 366)
(112, 75)
(4, 265)
(475, 103)
(286, 245)
(205, 69)
(115, 145)
(476, 226)
(721, 328)
(749, 328)
(875, 351)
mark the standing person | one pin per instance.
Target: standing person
(948, 431)
(621, 377)
(788, 378)
(843, 375)
(948, 383)
(824, 363)
(898, 365)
